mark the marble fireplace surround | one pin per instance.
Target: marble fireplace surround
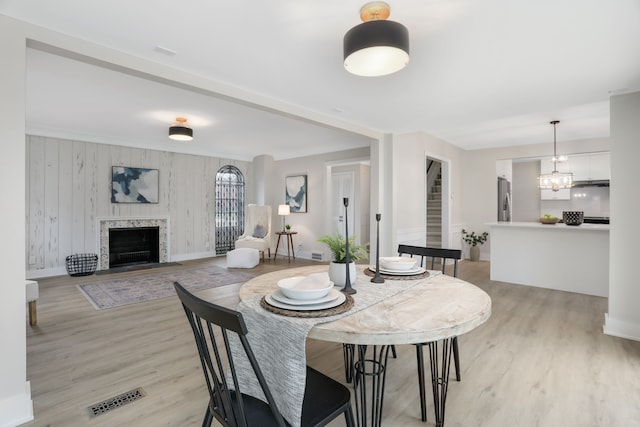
(104, 224)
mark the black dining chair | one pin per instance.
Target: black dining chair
(324, 398)
(443, 255)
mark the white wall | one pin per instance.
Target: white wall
(15, 394)
(623, 318)
(525, 195)
(312, 224)
(410, 152)
(69, 187)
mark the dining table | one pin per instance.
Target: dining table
(429, 307)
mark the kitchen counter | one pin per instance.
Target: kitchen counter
(558, 226)
(554, 256)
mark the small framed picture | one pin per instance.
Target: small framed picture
(296, 193)
(134, 185)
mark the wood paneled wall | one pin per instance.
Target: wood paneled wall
(69, 187)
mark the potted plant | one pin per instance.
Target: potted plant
(474, 240)
(337, 245)
(287, 228)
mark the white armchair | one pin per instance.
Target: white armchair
(257, 229)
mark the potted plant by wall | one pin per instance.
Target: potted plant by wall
(474, 240)
(337, 246)
(287, 228)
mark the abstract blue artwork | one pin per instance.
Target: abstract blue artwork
(296, 193)
(134, 185)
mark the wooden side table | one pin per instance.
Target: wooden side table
(289, 236)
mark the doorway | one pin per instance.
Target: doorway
(348, 179)
(437, 202)
(342, 184)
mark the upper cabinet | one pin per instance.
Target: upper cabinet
(590, 167)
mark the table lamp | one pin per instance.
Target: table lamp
(284, 210)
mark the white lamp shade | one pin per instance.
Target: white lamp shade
(284, 209)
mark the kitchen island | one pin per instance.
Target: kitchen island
(555, 256)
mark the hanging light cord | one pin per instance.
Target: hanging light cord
(555, 155)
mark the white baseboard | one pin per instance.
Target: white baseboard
(17, 409)
(45, 272)
(621, 328)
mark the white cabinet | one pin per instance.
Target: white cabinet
(600, 166)
(590, 167)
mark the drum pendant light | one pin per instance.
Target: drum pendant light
(376, 47)
(179, 131)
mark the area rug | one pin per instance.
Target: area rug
(119, 292)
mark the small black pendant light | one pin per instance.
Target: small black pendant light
(179, 131)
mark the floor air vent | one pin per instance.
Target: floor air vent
(116, 402)
(317, 256)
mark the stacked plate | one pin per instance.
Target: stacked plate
(302, 293)
(399, 266)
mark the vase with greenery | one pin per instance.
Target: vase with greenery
(474, 240)
(337, 245)
(287, 228)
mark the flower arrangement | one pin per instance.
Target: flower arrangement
(337, 245)
(474, 239)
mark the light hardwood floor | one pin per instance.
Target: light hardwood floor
(541, 359)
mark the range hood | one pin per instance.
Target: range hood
(593, 183)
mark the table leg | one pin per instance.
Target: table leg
(277, 245)
(370, 373)
(293, 253)
(33, 313)
(440, 376)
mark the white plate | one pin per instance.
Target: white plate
(323, 306)
(417, 270)
(281, 297)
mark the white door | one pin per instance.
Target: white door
(341, 187)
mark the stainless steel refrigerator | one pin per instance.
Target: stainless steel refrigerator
(504, 199)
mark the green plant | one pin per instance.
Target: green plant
(549, 216)
(287, 227)
(337, 245)
(474, 239)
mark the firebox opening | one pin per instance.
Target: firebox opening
(137, 245)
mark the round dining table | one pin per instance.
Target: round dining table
(431, 310)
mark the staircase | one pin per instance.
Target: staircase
(434, 205)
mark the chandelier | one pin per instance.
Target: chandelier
(555, 180)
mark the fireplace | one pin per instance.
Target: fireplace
(132, 252)
(133, 245)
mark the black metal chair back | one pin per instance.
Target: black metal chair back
(443, 255)
(230, 408)
(434, 253)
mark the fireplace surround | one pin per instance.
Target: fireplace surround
(105, 225)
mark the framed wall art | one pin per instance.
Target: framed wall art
(134, 185)
(296, 193)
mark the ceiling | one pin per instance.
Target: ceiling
(482, 74)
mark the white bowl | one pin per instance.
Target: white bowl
(398, 263)
(309, 287)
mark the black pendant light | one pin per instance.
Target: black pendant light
(179, 131)
(376, 47)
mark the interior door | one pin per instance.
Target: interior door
(342, 185)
